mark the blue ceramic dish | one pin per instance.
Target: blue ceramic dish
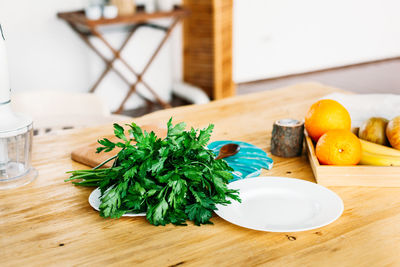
(248, 162)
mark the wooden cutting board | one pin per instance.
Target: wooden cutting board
(87, 154)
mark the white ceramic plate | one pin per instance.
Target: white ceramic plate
(94, 201)
(278, 204)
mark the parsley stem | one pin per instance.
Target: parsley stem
(85, 184)
(104, 162)
(86, 176)
(86, 171)
(90, 180)
(83, 175)
(203, 165)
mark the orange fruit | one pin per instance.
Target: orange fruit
(326, 115)
(338, 147)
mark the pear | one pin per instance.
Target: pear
(374, 130)
(393, 132)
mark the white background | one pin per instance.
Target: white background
(279, 37)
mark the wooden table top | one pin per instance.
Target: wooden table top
(50, 222)
(78, 17)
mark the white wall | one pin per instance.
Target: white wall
(274, 38)
(271, 38)
(42, 52)
(45, 54)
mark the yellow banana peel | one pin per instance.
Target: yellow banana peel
(368, 158)
(373, 148)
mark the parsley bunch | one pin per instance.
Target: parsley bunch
(172, 179)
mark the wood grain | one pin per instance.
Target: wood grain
(207, 45)
(287, 140)
(49, 222)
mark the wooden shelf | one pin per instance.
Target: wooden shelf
(78, 17)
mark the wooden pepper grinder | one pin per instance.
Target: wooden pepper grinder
(125, 7)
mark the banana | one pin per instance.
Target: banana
(379, 149)
(368, 158)
(379, 155)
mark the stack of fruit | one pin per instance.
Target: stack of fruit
(376, 136)
(328, 124)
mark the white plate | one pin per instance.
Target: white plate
(278, 204)
(94, 201)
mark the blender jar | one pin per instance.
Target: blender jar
(15, 152)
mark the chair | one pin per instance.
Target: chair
(52, 111)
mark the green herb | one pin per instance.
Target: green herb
(172, 179)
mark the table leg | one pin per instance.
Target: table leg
(106, 61)
(167, 34)
(111, 62)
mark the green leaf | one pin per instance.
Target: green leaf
(204, 136)
(119, 132)
(198, 214)
(156, 214)
(219, 185)
(194, 175)
(177, 193)
(163, 151)
(178, 217)
(176, 130)
(157, 165)
(166, 177)
(119, 144)
(225, 175)
(134, 201)
(151, 192)
(204, 156)
(110, 203)
(107, 145)
(202, 199)
(139, 189)
(130, 174)
(136, 132)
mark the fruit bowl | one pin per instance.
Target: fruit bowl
(359, 175)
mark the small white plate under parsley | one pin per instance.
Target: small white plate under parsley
(273, 204)
(95, 201)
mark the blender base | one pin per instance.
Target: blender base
(18, 181)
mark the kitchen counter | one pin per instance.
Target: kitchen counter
(49, 222)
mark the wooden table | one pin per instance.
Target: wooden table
(50, 222)
(86, 28)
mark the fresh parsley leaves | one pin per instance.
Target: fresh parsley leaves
(173, 179)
